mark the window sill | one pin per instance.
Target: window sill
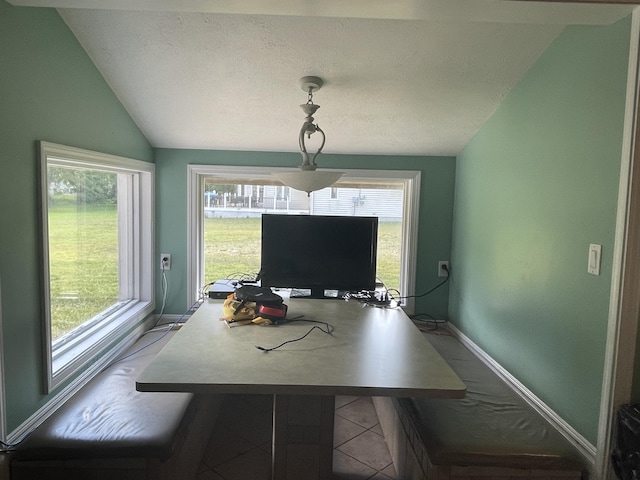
(95, 344)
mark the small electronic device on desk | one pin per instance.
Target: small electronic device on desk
(222, 288)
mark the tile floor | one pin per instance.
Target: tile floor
(240, 448)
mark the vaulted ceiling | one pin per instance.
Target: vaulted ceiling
(411, 77)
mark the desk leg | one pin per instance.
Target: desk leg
(302, 437)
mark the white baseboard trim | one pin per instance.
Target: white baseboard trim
(582, 445)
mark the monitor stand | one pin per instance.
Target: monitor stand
(315, 293)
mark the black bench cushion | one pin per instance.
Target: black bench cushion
(491, 426)
(109, 418)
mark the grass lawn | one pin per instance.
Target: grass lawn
(83, 258)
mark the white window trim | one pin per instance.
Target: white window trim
(195, 234)
(135, 267)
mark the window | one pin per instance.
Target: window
(97, 253)
(224, 236)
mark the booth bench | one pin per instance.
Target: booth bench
(492, 433)
(109, 430)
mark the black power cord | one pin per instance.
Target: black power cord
(328, 331)
(445, 268)
(427, 324)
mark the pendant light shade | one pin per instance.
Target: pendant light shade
(308, 178)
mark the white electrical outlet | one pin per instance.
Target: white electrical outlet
(443, 268)
(165, 261)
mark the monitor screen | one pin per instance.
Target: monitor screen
(318, 253)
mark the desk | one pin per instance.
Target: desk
(370, 352)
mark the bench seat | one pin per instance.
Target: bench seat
(491, 433)
(110, 430)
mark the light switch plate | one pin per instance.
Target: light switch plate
(595, 252)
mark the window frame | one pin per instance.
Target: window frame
(195, 218)
(67, 356)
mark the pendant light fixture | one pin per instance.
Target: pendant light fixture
(308, 178)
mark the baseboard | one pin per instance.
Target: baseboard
(582, 445)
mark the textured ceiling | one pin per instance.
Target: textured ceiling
(420, 83)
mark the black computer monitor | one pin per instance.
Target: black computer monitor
(316, 253)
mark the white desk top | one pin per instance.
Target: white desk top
(371, 351)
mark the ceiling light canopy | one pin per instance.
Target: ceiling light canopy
(308, 178)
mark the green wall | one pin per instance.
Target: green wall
(536, 186)
(436, 207)
(49, 90)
